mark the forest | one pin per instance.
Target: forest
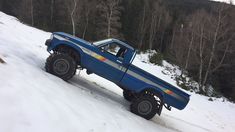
(196, 35)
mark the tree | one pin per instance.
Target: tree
(207, 39)
(159, 21)
(143, 24)
(221, 37)
(156, 18)
(31, 12)
(110, 15)
(72, 9)
(178, 46)
(88, 11)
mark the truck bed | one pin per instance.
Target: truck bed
(140, 80)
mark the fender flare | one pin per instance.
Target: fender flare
(155, 91)
(77, 48)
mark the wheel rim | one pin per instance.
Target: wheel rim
(145, 107)
(61, 66)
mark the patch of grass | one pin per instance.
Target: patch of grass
(156, 58)
(210, 99)
(188, 85)
(181, 82)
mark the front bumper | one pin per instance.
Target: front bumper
(48, 42)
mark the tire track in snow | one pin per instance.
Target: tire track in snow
(163, 123)
(98, 91)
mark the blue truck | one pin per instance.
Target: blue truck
(112, 59)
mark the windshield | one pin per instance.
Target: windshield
(101, 42)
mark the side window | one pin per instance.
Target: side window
(115, 50)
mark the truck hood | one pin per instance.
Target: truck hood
(72, 38)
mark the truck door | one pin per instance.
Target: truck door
(109, 62)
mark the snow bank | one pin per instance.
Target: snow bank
(33, 100)
(226, 1)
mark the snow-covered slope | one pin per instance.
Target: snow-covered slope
(33, 100)
(226, 1)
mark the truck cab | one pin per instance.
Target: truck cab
(114, 57)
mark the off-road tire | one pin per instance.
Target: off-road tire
(128, 95)
(144, 106)
(61, 65)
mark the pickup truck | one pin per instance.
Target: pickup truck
(112, 59)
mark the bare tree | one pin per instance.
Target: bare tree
(188, 44)
(73, 10)
(87, 12)
(179, 44)
(199, 28)
(88, 9)
(72, 17)
(173, 39)
(32, 12)
(156, 17)
(211, 35)
(189, 50)
(201, 53)
(167, 19)
(25, 9)
(159, 21)
(220, 31)
(110, 13)
(143, 25)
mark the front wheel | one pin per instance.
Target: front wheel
(145, 106)
(61, 65)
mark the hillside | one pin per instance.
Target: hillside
(33, 100)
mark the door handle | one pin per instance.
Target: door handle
(118, 61)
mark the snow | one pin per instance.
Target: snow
(226, 1)
(33, 100)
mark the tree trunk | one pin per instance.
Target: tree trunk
(172, 40)
(189, 51)
(110, 15)
(152, 30)
(86, 25)
(32, 13)
(223, 57)
(201, 49)
(52, 10)
(109, 24)
(142, 29)
(154, 27)
(213, 48)
(162, 38)
(72, 19)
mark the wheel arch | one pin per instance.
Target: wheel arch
(76, 50)
(155, 91)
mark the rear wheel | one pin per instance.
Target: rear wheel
(61, 65)
(145, 106)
